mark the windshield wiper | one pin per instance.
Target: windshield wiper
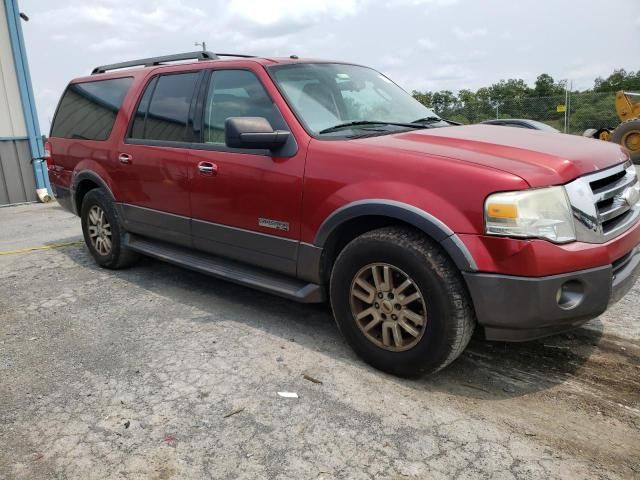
(427, 120)
(367, 122)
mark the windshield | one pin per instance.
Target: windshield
(329, 95)
(543, 126)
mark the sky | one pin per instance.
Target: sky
(421, 44)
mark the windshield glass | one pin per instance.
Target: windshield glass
(328, 95)
(543, 126)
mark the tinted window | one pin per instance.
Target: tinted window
(137, 129)
(236, 93)
(164, 108)
(88, 110)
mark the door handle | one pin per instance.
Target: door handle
(207, 168)
(125, 158)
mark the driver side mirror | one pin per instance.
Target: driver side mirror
(253, 132)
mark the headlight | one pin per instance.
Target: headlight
(541, 213)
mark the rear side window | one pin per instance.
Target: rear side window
(164, 108)
(88, 110)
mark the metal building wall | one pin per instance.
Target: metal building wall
(19, 140)
(16, 174)
(17, 184)
(11, 113)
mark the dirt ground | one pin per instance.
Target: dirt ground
(157, 372)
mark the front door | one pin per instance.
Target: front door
(153, 161)
(245, 204)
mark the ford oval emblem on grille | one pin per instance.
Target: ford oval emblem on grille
(631, 195)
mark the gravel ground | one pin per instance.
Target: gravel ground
(157, 372)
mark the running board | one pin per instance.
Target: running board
(226, 269)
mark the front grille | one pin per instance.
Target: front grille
(608, 192)
(601, 205)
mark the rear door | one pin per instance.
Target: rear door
(153, 160)
(246, 204)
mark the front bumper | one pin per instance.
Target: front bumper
(512, 308)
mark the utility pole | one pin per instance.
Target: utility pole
(203, 44)
(496, 104)
(569, 106)
(566, 102)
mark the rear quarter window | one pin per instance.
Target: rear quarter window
(88, 110)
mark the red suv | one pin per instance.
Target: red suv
(321, 180)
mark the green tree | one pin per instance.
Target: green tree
(444, 103)
(546, 95)
(514, 98)
(509, 89)
(618, 80)
(592, 110)
(546, 86)
(470, 108)
(486, 104)
(424, 98)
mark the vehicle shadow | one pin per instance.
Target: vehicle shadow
(486, 370)
(58, 207)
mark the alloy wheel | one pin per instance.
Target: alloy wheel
(388, 307)
(99, 230)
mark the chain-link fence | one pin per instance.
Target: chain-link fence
(582, 110)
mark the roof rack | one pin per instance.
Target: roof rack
(239, 55)
(151, 61)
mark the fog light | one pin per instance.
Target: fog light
(570, 294)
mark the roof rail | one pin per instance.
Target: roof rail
(151, 61)
(239, 55)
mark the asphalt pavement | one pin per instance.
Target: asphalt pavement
(158, 372)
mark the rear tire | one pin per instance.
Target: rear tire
(434, 283)
(627, 134)
(103, 232)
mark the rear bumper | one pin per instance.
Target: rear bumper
(512, 308)
(63, 196)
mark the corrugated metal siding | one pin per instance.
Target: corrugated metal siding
(17, 184)
(11, 114)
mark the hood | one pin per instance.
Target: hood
(540, 158)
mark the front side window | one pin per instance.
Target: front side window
(327, 95)
(236, 93)
(88, 110)
(164, 108)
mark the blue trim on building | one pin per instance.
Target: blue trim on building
(26, 93)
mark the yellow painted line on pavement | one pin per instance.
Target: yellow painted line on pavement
(43, 247)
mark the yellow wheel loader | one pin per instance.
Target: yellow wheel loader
(627, 133)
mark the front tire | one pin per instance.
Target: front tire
(400, 302)
(103, 233)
